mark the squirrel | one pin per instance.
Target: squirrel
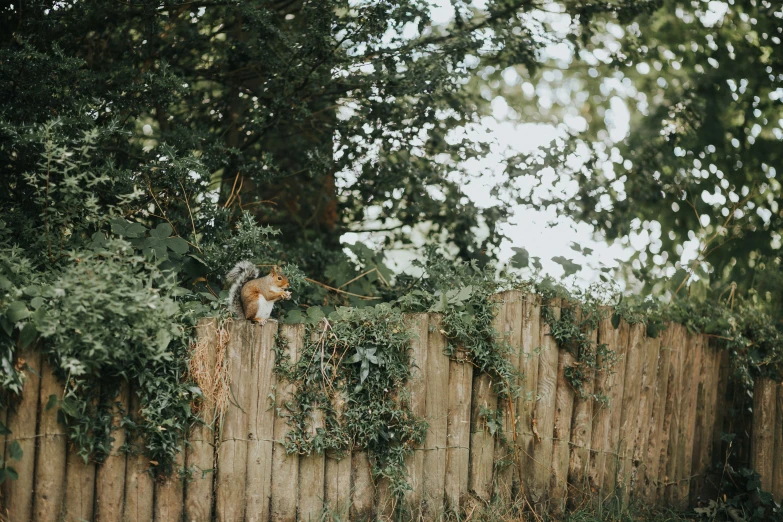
(253, 297)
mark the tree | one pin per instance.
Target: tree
(697, 173)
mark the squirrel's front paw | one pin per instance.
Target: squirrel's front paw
(259, 322)
(286, 295)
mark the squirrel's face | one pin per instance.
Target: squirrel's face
(279, 279)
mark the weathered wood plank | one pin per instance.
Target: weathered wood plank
(526, 403)
(651, 348)
(458, 430)
(338, 486)
(261, 419)
(688, 418)
(363, 487)
(200, 453)
(110, 478)
(507, 322)
(139, 485)
(312, 482)
(50, 459)
(777, 469)
(561, 432)
(482, 442)
(762, 441)
(605, 381)
(616, 394)
(544, 416)
(674, 399)
(722, 401)
(285, 468)
(232, 452)
(702, 436)
(657, 437)
(630, 408)
(169, 494)
(581, 433)
(436, 407)
(418, 326)
(22, 418)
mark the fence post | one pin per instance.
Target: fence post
(762, 440)
(50, 459)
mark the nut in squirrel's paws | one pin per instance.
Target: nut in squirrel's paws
(286, 295)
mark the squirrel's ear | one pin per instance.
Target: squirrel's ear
(275, 269)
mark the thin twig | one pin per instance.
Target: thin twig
(193, 223)
(333, 289)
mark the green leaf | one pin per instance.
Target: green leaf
(118, 226)
(163, 231)
(52, 402)
(4, 430)
(15, 451)
(616, 321)
(32, 291)
(521, 259)
(17, 311)
(28, 335)
(652, 330)
(134, 230)
(569, 266)
(178, 245)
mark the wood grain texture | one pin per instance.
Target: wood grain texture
(544, 415)
(169, 494)
(261, 418)
(762, 441)
(139, 486)
(630, 408)
(482, 442)
(285, 468)
(604, 384)
(362, 487)
(644, 423)
(690, 389)
(50, 459)
(581, 435)
(437, 408)
(674, 399)
(503, 452)
(110, 475)
(418, 326)
(526, 403)
(722, 401)
(311, 478)
(657, 439)
(561, 434)
(22, 418)
(338, 486)
(458, 431)
(200, 452)
(232, 452)
(615, 395)
(702, 437)
(777, 468)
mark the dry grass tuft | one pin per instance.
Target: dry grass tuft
(209, 369)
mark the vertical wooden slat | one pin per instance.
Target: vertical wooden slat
(544, 416)
(645, 422)
(418, 326)
(384, 501)
(169, 494)
(605, 381)
(762, 440)
(503, 452)
(657, 438)
(79, 487)
(672, 419)
(702, 437)
(561, 433)
(512, 311)
(110, 475)
(338, 486)
(311, 479)
(526, 404)
(630, 407)
(722, 401)
(616, 394)
(581, 434)
(22, 418)
(261, 421)
(436, 407)
(232, 451)
(458, 430)
(482, 441)
(139, 485)
(50, 458)
(777, 469)
(285, 468)
(362, 487)
(688, 418)
(200, 453)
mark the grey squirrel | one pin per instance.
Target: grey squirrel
(253, 297)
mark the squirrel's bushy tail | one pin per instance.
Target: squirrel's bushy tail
(242, 272)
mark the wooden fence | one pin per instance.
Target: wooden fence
(653, 441)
